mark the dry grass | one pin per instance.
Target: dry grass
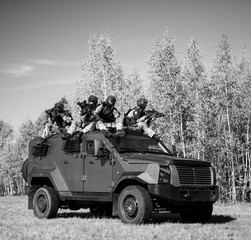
(17, 222)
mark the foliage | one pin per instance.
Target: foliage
(12, 155)
(194, 83)
(6, 133)
(133, 90)
(101, 74)
(167, 93)
(6, 141)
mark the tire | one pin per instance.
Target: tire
(135, 205)
(199, 214)
(45, 203)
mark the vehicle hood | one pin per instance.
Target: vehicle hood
(160, 159)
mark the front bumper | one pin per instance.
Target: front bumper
(184, 194)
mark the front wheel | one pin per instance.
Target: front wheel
(135, 205)
(45, 203)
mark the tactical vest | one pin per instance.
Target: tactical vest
(88, 113)
(66, 113)
(55, 117)
(106, 113)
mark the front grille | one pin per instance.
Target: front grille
(194, 175)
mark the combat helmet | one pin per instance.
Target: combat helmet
(110, 100)
(59, 106)
(142, 103)
(92, 100)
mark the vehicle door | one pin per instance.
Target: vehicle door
(97, 166)
(71, 165)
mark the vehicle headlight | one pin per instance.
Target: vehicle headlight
(164, 175)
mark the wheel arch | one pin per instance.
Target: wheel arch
(35, 184)
(42, 181)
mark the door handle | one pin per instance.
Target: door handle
(91, 162)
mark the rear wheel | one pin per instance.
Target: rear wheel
(45, 203)
(135, 205)
(197, 214)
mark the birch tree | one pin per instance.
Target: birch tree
(166, 89)
(242, 123)
(6, 137)
(194, 81)
(133, 90)
(223, 84)
(101, 75)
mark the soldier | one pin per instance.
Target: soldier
(58, 120)
(109, 117)
(88, 120)
(139, 118)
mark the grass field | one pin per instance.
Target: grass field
(17, 222)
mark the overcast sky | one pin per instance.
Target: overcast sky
(42, 42)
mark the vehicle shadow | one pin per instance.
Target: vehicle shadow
(175, 218)
(156, 218)
(73, 214)
(220, 219)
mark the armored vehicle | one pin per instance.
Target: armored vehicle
(130, 177)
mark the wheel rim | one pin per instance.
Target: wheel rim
(42, 203)
(130, 207)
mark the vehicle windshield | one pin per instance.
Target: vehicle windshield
(142, 144)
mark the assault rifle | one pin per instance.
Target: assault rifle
(82, 104)
(51, 113)
(151, 115)
(54, 116)
(84, 107)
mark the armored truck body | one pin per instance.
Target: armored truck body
(130, 177)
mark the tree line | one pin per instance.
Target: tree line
(207, 111)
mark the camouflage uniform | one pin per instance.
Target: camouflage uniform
(58, 119)
(109, 117)
(137, 117)
(87, 122)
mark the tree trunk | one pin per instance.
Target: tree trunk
(182, 137)
(104, 82)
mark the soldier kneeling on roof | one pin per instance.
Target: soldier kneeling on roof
(140, 118)
(88, 120)
(59, 119)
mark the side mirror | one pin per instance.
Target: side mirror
(103, 153)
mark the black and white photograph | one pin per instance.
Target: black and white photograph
(125, 120)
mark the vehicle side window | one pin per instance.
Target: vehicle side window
(90, 150)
